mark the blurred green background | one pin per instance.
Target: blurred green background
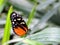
(45, 19)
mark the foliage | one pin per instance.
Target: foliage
(6, 35)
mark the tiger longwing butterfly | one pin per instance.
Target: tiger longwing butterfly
(18, 24)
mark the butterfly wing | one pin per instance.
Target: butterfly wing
(18, 24)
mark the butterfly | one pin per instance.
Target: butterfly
(18, 24)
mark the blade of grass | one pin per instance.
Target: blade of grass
(22, 41)
(2, 4)
(32, 42)
(6, 35)
(32, 14)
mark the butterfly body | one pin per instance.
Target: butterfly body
(18, 24)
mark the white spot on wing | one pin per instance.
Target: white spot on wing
(14, 19)
(18, 19)
(14, 14)
(22, 23)
(13, 22)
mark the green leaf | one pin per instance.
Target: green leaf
(6, 35)
(49, 35)
(32, 42)
(32, 13)
(24, 41)
(2, 4)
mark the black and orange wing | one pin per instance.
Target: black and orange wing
(18, 24)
